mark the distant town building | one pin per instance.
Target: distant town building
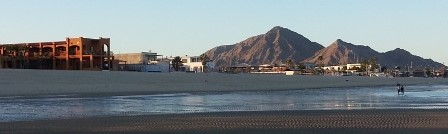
(194, 64)
(142, 62)
(71, 54)
(334, 68)
(353, 66)
(245, 68)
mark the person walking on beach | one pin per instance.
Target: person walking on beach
(402, 89)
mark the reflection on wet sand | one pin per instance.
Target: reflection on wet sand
(416, 97)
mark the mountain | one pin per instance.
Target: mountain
(280, 44)
(404, 59)
(340, 52)
(274, 47)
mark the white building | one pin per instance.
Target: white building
(194, 64)
(353, 66)
(334, 68)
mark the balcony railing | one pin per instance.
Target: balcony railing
(39, 55)
(61, 54)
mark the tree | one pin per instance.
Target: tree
(301, 66)
(364, 65)
(204, 58)
(176, 63)
(289, 63)
(383, 69)
(321, 61)
(373, 64)
(18, 52)
(428, 72)
(320, 64)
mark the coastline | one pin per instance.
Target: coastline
(28, 83)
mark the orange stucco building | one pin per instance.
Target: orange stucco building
(71, 54)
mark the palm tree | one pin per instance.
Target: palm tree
(383, 69)
(204, 58)
(373, 64)
(320, 64)
(300, 66)
(289, 63)
(176, 62)
(321, 61)
(18, 52)
(364, 64)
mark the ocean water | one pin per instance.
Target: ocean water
(66, 106)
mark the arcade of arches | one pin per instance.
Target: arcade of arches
(71, 54)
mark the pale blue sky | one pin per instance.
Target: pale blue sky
(190, 27)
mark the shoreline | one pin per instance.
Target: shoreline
(296, 121)
(29, 83)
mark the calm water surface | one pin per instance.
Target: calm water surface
(63, 107)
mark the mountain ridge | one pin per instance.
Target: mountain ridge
(275, 46)
(280, 44)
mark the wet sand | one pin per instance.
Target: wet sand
(97, 83)
(323, 121)
(93, 83)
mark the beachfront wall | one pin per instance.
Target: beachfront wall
(71, 54)
(162, 67)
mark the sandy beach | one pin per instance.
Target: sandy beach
(59, 82)
(94, 83)
(281, 122)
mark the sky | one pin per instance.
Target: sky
(191, 27)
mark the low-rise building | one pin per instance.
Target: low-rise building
(353, 66)
(142, 62)
(194, 64)
(334, 68)
(71, 54)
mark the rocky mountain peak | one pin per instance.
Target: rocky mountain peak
(399, 50)
(277, 29)
(274, 47)
(280, 44)
(279, 33)
(339, 41)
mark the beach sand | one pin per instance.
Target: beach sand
(281, 122)
(96, 83)
(15, 82)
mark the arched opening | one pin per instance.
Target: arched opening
(60, 51)
(74, 50)
(107, 59)
(47, 51)
(33, 52)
